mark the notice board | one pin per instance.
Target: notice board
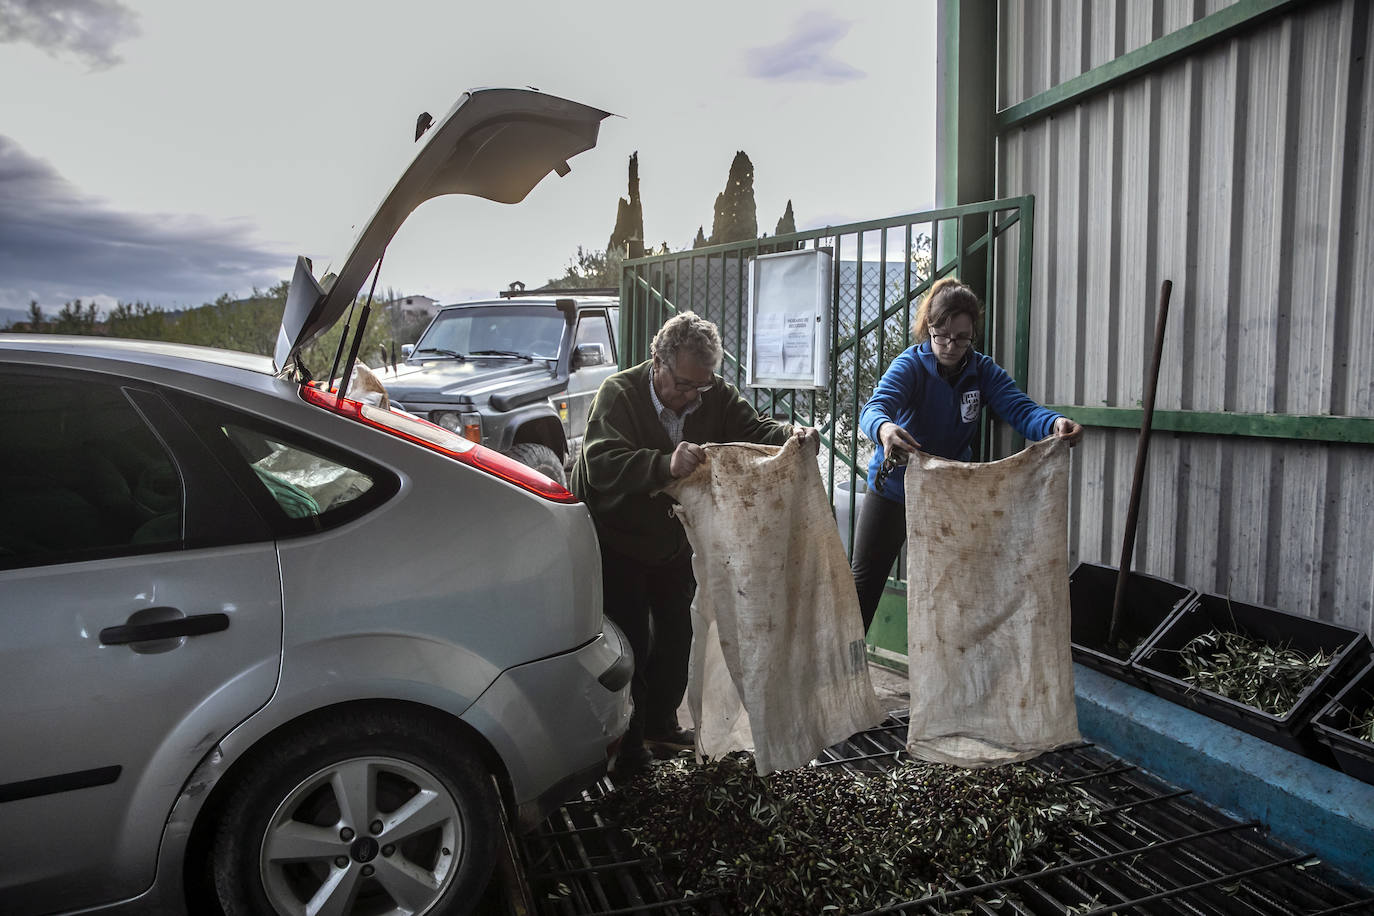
(789, 319)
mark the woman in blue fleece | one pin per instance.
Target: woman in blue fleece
(929, 399)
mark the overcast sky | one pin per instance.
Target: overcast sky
(168, 152)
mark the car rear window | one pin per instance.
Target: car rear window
(298, 483)
(302, 483)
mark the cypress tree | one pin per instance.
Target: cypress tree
(736, 216)
(629, 216)
(788, 224)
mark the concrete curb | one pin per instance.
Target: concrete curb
(1303, 803)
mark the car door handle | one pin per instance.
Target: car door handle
(195, 625)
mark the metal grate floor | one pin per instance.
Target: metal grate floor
(1158, 850)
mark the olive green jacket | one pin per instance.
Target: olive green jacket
(626, 454)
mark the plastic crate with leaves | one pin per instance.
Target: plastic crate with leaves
(1258, 669)
(1346, 726)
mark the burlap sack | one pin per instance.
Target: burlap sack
(778, 661)
(988, 607)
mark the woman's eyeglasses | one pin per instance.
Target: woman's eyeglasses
(945, 340)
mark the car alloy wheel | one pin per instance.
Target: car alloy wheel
(365, 835)
(376, 814)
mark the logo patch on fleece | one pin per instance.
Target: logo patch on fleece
(968, 406)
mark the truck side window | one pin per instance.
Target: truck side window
(591, 328)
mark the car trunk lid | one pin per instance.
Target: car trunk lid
(493, 143)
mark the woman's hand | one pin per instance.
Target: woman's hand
(896, 442)
(1069, 431)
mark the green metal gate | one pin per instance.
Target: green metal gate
(882, 268)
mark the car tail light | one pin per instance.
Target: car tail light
(437, 439)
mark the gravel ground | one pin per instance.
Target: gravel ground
(893, 688)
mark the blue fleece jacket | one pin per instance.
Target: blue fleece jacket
(943, 415)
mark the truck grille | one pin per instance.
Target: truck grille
(1158, 850)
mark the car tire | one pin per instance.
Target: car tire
(540, 457)
(376, 812)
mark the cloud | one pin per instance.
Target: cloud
(90, 29)
(57, 244)
(807, 54)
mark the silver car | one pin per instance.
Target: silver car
(270, 650)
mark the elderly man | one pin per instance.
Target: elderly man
(646, 427)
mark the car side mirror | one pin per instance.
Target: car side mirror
(406, 350)
(589, 354)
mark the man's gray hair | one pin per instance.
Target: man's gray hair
(688, 333)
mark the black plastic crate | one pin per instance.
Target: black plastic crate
(1160, 666)
(1148, 603)
(1354, 756)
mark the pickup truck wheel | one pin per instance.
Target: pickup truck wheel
(541, 458)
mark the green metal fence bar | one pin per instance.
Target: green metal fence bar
(1143, 60)
(636, 330)
(1025, 256)
(832, 424)
(906, 288)
(779, 242)
(959, 248)
(854, 469)
(1353, 430)
(741, 320)
(724, 292)
(882, 294)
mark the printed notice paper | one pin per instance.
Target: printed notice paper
(796, 344)
(769, 354)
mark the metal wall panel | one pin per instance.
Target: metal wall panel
(1047, 42)
(1244, 173)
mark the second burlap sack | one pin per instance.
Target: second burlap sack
(988, 617)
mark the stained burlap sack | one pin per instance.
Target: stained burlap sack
(988, 607)
(778, 662)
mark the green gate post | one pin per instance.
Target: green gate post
(966, 119)
(965, 156)
(966, 148)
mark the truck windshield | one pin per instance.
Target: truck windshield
(498, 330)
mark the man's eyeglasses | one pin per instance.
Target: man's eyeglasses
(945, 340)
(686, 384)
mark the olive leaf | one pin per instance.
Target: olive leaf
(1269, 677)
(822, 840)
(1363, 728)
(1361, 721)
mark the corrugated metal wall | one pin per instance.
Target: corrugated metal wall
(1243, 173)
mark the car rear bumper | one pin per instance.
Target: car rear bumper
(554, 722)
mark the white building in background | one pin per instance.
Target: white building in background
(415, 307)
